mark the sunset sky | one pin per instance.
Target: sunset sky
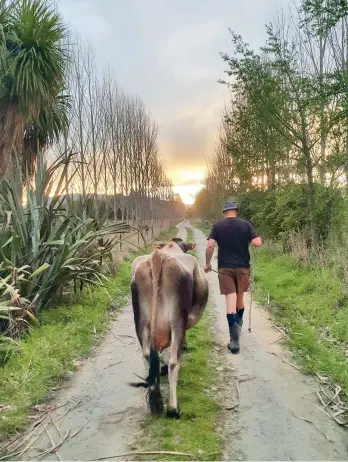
(167, 52)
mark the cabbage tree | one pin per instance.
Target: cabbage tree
(33, 63)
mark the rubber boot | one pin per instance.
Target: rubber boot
(239, 322)
(233, 346)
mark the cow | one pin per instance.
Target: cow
(169, 294)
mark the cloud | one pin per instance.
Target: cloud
(188, 139)
(168, 53)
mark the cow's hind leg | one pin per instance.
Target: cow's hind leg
(173, 410)
(142, 314)
(152, 358)
(155, 397)
(164, 362)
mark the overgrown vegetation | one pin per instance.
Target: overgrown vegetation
(43, 247)
(310, 302)
(283, 144)
(45, 355)
(195, 433)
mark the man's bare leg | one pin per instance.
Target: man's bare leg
(231, 303)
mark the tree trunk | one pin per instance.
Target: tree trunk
(311, 193)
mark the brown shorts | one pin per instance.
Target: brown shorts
(233, 280)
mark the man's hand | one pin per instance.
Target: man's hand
(207, 268)
(256, 242)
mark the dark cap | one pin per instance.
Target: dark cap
(230, 205)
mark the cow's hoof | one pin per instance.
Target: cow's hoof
(173, 413)
(164, 370)
(156, 402)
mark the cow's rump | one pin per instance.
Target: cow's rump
(165, 287)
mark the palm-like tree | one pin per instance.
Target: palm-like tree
(33, 63)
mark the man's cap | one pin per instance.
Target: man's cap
(230, 205)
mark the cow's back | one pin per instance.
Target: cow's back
(174, 286)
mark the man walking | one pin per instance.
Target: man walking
(233, 237)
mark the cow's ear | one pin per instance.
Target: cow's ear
(190, 246)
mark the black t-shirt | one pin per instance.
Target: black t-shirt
(233, 236)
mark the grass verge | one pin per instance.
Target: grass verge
(195, 433)
(312, 306)
(49, 352)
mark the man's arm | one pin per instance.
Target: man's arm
(209, 254)
(254, 239)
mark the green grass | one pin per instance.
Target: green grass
(312, 306)
(195, 433)
(49, 351)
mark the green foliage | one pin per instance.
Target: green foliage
(280, 211)
(283, 143)
(323, 15)
(36, 61)
(51, 247)
(33, 64)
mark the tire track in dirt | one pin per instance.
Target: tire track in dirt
(272, 394)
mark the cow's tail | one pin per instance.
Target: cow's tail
(155, 398)
(156, 271)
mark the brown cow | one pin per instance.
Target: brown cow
(169, 295)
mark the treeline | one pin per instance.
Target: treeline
(54, 102)
(79, 165)
(283, 142)
(115, 141)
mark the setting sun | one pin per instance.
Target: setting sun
(187, 193)
(187, 183)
